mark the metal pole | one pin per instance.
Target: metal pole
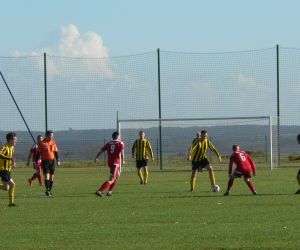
(45, 87)
(278, 104)
(271, 141)
(159, 109)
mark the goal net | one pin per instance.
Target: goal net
(171, 139)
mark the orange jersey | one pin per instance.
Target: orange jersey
(47, 149)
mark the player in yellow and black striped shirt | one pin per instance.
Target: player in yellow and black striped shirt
(6, 163)
(140, 149)
(197, 153)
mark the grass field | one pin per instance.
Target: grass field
(160, 215)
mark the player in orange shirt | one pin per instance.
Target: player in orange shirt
(49, 153)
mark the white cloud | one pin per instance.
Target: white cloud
(69, 42)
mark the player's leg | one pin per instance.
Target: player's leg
(249, 183)
(112, 186)
(113, 174)
(298, 179)
(39, 173)
(11, 193)
(139, 171)
(195, 167)
(34, 176)
(146, 174)
(211, 174)
(230, 183)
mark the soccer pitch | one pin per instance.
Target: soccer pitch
(159, 215)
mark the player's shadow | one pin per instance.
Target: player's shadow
(192, 196)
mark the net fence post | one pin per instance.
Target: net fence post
(159, 109)
(278, 104)
(271, 142)
(45, 90)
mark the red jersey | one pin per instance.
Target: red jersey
(35, 156)
(113, 149)
(242, 161)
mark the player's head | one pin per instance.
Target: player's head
(198, 135)
(115, 135)
(203, 134)
(39, 138)
(49, 134)
(236, 147)
(11, 138)
(298, 138)
(142, 134)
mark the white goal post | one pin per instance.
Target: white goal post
(172, 137)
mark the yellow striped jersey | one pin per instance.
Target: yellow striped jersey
(199, 148)
(141, 148)
(6, 157)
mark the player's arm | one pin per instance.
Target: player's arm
(230, 165)
(150, 150)
(191, 149)
(57, 158)
(212, 147)
(253, 167)
(29, 157)
(122, 157)
(98, 154)
(133, 148)
(4, 154)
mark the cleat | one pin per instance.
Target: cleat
(226, 193)
(141, 182)
(298, 191)
(30, 182)
(12, 205)
(192, 190)
(98, 193)
(254, 193)
(109, 193)
(48, 193)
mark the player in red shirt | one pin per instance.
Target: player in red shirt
(114, 149)
(244, 167)
(36, 162)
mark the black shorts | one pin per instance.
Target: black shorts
(5, 175)
(141, 163)
(196, 165)
(48, 167)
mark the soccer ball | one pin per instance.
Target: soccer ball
(215, 188)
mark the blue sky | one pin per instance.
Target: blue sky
(135, 26)
(111, 28)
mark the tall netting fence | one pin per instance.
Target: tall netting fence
(289, 104)
(25, 79)
(85, 94)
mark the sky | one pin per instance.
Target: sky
(115, 28)
(120, 27)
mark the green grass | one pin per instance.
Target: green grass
(160, 215)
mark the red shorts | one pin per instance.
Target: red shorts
(240, 173)
(114, 169)
(37, 165)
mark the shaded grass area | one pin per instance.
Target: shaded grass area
(160, 215)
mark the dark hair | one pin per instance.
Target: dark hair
(10, 136)
(48, 132)
(234, 147)
(298, 137)
(203, 132)
(39, 137)
(115, 135)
